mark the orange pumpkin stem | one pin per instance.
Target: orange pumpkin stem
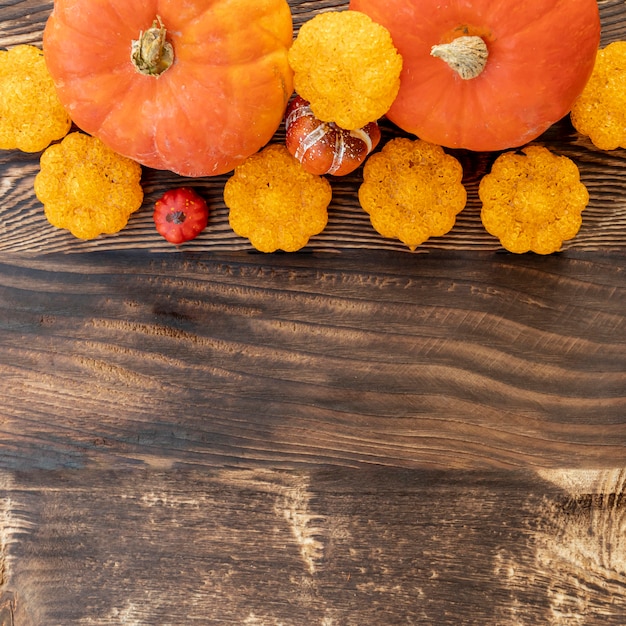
(466, 55)
(151, 54)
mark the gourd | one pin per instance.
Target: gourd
(324, 147)
(274, 202)
(180, 215)
(193, 87)
(87, 188)
(487, 75)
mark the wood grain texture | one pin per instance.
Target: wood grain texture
(289, 360)
(352, 435)
(324, 548)
(25, 230)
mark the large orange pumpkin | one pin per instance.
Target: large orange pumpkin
(536, 57)
(194, 87)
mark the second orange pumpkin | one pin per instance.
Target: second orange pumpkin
(537, 54)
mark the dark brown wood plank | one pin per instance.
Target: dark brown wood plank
(26, 231)
(350, 435)
(325, 547)
(445, 360)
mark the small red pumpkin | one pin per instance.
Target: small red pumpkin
(324, 147)
(538, 57)
(180, 215)
(194, 87)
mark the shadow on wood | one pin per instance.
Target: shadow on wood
(454, 361)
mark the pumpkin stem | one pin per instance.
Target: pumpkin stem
(466, 55)
(151, 54)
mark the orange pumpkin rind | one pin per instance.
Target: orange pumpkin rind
(31, 115)
(600, 111)
(347, 67)
(412, 191)
(275, 203)
(532, 201)
(199, 107)
(540, 54)
(87, 188)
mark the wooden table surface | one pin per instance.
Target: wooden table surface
(349, 435)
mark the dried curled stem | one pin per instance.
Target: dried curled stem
(151, 54)
(466, 55)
